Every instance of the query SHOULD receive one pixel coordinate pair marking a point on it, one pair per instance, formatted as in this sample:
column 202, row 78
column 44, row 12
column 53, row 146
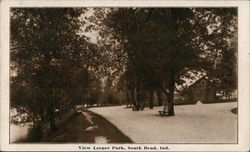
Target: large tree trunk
column 227, row 94
column 137, row 105
column 137, row 94
column 151, row 93
column 51, row 117
column 127, row 98
column 171, row 94
column 159, row 98
column 133, row 96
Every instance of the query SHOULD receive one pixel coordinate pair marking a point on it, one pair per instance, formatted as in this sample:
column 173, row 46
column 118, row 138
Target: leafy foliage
column 138, row 51
column 49, row 59
column 163, row 44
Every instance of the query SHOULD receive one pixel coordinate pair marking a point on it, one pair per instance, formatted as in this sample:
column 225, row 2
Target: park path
column 200, row 123
column 88, row 127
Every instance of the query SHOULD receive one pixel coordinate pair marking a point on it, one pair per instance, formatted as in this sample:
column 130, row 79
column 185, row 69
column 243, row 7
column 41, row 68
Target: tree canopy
column 139, row 51
column 49, row 60
column 162, row 44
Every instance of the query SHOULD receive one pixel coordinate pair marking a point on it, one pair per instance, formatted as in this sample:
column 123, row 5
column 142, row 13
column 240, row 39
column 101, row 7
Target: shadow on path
column 87, row 127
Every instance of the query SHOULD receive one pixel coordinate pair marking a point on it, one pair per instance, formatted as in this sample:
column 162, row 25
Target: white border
column 243, row 67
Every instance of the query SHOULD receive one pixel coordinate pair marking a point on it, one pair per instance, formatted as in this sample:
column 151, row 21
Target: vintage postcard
column 128, row 75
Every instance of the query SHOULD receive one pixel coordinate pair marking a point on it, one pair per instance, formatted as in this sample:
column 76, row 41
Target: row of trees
column 161, row 45
column 50, row 62
column 138, row 51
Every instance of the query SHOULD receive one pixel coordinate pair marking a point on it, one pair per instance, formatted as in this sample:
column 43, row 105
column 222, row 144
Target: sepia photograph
column 123, row 75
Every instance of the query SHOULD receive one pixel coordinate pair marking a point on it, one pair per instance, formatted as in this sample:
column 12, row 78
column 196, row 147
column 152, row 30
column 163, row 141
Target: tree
column 157, row 44
column 48, row 59
column 163, row 44
column 224, row 40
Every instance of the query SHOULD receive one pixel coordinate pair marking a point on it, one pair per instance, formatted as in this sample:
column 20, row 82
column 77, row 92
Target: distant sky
column 93, row 35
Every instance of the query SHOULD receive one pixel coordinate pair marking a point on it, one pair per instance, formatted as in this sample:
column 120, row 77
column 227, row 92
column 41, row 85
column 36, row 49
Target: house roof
column 204, row 77
column 194, row 77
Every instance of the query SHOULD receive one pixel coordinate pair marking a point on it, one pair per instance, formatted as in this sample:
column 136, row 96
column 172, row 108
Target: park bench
column 163, row 113
column 77, row 111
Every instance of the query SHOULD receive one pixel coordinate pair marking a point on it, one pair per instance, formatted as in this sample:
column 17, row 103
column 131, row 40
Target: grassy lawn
column 75, row 129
